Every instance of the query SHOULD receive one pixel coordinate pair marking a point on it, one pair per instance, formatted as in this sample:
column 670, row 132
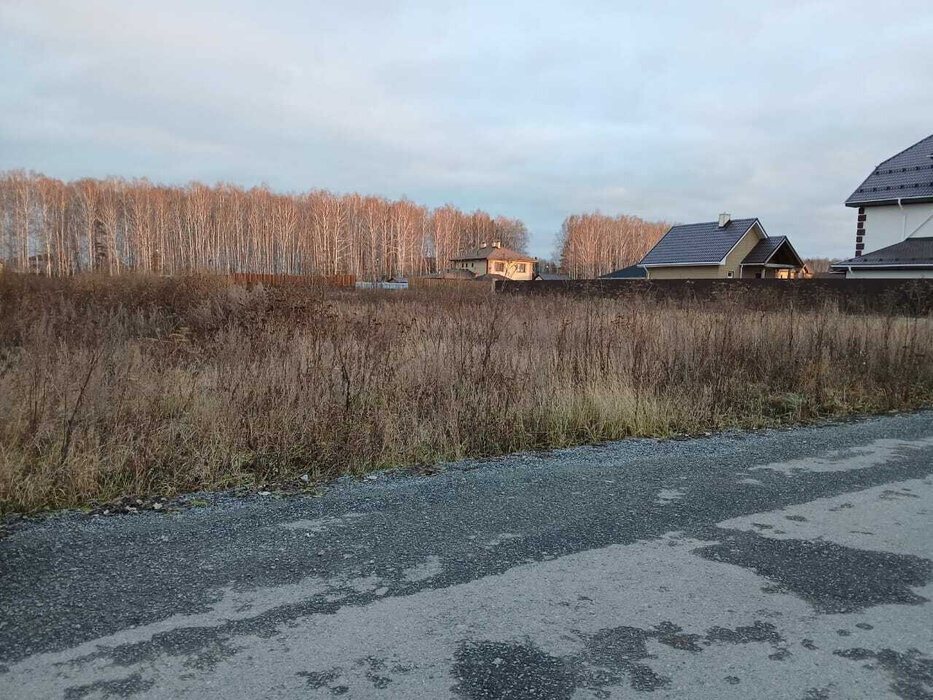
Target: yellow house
column 495, row 260
column 728, row 248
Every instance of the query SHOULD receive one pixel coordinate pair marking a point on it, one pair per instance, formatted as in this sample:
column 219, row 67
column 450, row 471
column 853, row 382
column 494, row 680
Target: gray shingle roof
column 910, row 252
column 630, row 272
column 908, row 175
column 766, row 249
column 551, row 276
column 697, row 244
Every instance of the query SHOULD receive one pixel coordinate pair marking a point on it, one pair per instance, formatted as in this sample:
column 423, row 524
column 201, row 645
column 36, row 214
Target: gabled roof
column 911, row 252
column 491, row 252
column 551, row 277
column 630, row 272
column 762, row 253
column 907, row 176
column 698, row 244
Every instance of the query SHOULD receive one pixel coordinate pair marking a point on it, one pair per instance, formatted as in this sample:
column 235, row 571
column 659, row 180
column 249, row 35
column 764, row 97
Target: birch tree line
column 114, row 225
column 590, row 245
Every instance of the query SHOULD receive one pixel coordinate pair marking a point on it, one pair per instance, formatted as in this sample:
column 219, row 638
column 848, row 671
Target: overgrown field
column 136, row 385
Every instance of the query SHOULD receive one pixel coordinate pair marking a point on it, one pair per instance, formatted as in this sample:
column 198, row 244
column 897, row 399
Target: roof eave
column 682, row 264
column 920, row 199
column 871, row 266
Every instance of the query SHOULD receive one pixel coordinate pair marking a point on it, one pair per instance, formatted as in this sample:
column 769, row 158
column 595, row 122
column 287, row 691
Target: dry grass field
column 141, row 385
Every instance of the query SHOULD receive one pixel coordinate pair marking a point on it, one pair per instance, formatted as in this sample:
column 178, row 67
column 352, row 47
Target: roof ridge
column 902, row 152
column 708, row 223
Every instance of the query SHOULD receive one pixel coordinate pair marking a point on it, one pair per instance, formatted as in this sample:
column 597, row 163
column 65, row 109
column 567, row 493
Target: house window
column 730, row 274
column 498, row 266
column 519, row 267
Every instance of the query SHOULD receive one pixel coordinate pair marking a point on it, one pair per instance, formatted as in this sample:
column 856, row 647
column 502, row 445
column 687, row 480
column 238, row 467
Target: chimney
column 497, row 244
column 724, row 219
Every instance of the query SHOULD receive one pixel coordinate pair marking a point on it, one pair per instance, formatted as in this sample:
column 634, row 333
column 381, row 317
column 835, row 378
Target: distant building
column 728, row 248
column 495, row 260
column 632, row 272
column 895, row 218
column 895, row 202
column 549, row 277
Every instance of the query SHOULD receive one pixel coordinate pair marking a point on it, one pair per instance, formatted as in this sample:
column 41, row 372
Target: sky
column 671, row 111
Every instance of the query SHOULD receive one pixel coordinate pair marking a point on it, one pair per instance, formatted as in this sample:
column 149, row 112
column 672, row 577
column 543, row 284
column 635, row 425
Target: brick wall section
column 860, row 232
column 913, row 297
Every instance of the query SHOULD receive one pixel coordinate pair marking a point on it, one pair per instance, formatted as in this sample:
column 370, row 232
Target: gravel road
column 782, row 564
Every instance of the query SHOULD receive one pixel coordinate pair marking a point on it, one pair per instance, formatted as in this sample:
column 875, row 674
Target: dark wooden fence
column 913, row 297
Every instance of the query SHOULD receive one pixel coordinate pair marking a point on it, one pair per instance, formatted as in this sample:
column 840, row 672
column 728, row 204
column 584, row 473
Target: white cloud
column 674, row 110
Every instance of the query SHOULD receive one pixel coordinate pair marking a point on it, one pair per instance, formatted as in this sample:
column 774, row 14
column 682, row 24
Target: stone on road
column 781, row 564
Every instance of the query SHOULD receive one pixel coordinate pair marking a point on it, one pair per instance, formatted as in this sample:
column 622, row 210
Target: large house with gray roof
column 728, row 248
column 895, row 217
column 895, row 202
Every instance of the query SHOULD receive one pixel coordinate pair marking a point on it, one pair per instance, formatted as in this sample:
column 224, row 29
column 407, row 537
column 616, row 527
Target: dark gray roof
column 766, row 249
column 630, row 272
column 908, row 175
column 912, row 252
column 551, row 276
column 697, row 244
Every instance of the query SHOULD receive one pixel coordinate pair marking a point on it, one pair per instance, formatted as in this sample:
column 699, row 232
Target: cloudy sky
column 666, row 110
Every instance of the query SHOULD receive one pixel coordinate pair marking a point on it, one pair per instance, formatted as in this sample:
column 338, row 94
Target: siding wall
column 887, row 225
column 686, row 272
column 744, row 247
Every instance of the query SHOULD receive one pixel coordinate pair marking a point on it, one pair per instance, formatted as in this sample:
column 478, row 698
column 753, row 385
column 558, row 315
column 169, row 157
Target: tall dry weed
column 136, row 385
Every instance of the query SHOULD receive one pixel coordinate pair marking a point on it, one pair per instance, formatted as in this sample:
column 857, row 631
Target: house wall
column 890, row 274
column 741, row 251
column 477, row 267
column 481, row 267
column 510, row 269
column 887, row 225
column 682, row 272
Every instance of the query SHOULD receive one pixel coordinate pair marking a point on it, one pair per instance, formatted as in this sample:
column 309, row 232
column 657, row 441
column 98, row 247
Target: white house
column 495, row 260
column 895, row 214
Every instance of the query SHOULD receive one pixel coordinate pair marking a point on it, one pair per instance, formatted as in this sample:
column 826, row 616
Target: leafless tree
column 590, row 245
column 114, row 225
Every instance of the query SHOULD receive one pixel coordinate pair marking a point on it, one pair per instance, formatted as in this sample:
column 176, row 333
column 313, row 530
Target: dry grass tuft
column 138, row 385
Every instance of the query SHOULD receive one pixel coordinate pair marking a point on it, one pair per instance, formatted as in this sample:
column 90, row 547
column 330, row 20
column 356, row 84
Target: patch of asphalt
column 831, row 577
column 195, row 585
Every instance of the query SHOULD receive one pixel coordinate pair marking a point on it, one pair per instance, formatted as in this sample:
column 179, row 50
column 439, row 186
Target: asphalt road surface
column 785, row 564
